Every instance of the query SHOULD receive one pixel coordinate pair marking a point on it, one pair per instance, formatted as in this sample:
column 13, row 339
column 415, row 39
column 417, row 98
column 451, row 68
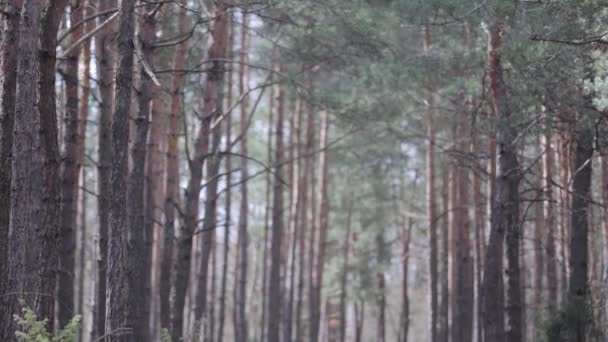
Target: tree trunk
column 462, row 319
column 274, row 287
column 322, row 225
column 404, row 322
column 70, row 172
column 30, row 275
column 104, row 56
column 579, row 292
column 480, row 229
column 172, row 181
column 294, row 211
column 267, row 213
column 539, row 255
column 228, row 200
column 431, row 207
column 120, row 276
column 241, row 320
column 8, row 85
column 359, row 320
column 505, row 216
column 155, row 163
column 443, row 319
column 344, row 271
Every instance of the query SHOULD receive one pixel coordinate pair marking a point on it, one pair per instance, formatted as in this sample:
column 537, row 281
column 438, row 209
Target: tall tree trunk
column 431, row 207
column 344, row 271
column 274, row 287
column 579, row 292
column 505, row 216
column 539, row 255
column 443, row 312
column 404, row 322
column 480, row 231
column 294, row 211
column 8, row 85
column 155, row 165
column 241, row 320
column 359, row 320
column 121, row 268
column 104, row 56
column 51, row 18
column 172, row 180
column 212, row 113
column 267, row 214
column 228, row 200
column 322, row 225
column 462, row 311
column 70, row 172
column 30, row 241
column 549, row 218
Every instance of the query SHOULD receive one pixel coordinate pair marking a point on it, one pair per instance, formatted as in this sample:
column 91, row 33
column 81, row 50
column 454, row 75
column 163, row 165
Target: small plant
column 33, row 329
column 164, row 335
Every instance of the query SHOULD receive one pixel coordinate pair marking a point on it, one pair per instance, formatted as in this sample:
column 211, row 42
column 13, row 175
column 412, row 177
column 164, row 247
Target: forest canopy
column 303, row 170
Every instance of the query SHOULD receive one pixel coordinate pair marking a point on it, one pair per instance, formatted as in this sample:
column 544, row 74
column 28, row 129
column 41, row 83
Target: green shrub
column 33, row 329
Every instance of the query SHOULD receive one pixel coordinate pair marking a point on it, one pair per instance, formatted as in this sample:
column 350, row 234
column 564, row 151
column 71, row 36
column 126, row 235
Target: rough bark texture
column 579, row 292
column 443, row 312
column 274, row 287
column 8, row 85
column 29, row 276
column 120, row 271
column 172, row 184
column 70, row 171
column 104, row 56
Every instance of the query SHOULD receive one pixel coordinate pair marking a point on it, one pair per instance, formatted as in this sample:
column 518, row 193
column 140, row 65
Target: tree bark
column 172, row 181
column 104, row 56
column 241, row 294
column 70, row 171
column 404, row 322
column 431, row 207
column 274, row 287
column 505, row 211
column 30, row 276
column 8, row 85
column 579, row 292
column 121, row 270
column 344, row 271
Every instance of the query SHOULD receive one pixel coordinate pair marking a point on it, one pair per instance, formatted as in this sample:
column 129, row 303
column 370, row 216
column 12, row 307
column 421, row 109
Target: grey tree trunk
column 120, row 271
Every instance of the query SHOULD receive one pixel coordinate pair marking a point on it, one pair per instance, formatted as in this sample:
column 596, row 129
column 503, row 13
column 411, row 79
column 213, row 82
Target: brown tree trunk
column 155, row 174
column 30, row 275
column 172, row 181
column 274, row 286
column 241, row 320
column 443, row 312
column 322, row 225
column 70, row 171
column 104, row 56
column 549, row 220
column 120, row 264
column 267, row 214
column 307, row 201
column 431, row 207
column 579, row 292
column 404, row 322
column 344, row 271
column 359, row 320
column 480, row 229
column 294, row 211
column 505, row 216
column 212, row 112
column 8, row 85
column 463, row 301
column 228, row 200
